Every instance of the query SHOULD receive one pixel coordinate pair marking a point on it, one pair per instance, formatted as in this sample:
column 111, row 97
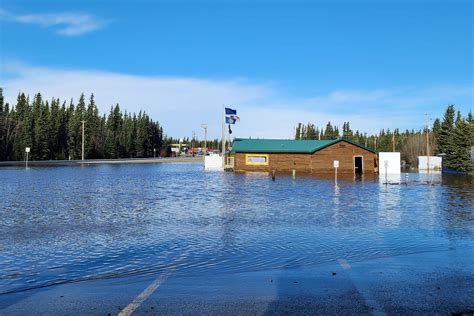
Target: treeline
column 53, row 130
column 451, row 137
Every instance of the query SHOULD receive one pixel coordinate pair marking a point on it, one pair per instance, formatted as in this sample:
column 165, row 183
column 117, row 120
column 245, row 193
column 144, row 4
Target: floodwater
column 69, row 224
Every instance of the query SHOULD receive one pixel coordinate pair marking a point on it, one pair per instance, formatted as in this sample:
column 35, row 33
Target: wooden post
column 273, row 175
column 204, row 126
column 27, row 150
column 336, row 165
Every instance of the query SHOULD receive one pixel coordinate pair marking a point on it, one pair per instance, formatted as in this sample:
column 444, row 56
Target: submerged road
column 53, row 163
column 172, row 239
column 422, row 283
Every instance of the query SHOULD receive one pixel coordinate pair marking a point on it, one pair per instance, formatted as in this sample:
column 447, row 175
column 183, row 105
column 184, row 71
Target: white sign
column 27, row 149
column 336, row 163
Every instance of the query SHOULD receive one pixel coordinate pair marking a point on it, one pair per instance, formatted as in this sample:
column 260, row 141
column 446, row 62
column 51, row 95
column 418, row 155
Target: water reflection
column 389, row 211
column 71, row 224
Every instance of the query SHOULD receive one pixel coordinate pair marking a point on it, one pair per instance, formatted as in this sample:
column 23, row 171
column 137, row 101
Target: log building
column 306, row 156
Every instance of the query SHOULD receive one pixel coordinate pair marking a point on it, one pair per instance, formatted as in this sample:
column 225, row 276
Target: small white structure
column 214, row 162
column 389, row 163
column 426, row 163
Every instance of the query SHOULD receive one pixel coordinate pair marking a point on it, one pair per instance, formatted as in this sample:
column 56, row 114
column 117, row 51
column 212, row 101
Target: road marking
column 363, row 290
column 344, row 264
column 127, row 311
column 130, row 308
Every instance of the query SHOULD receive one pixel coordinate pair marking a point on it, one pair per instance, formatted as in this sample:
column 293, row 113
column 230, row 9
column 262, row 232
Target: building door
column 358, row 165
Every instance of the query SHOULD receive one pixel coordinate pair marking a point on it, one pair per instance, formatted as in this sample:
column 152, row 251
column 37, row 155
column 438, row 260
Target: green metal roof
column 248, row 145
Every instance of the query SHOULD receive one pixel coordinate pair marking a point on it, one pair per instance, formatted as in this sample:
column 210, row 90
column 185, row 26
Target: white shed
column 389, row 162
column 214, row 162
column 430, row 163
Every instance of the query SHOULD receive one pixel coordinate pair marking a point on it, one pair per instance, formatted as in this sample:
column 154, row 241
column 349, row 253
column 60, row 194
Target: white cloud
column 181, row 104
column 66, row 23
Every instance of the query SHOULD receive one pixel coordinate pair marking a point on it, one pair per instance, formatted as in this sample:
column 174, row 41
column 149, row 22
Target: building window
column 230, row 161
column 256, row 160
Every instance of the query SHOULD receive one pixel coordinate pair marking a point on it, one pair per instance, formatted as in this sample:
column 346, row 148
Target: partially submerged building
column 307, row 156
column 390, row 163
column 430, row 163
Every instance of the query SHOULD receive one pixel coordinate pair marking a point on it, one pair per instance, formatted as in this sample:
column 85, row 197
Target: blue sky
column 374, row 63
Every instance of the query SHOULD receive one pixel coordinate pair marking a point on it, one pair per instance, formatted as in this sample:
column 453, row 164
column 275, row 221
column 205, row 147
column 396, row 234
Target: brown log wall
column 319, row 162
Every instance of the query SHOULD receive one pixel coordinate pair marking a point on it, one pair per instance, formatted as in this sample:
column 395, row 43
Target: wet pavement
column 421, row 284
column 173, row 239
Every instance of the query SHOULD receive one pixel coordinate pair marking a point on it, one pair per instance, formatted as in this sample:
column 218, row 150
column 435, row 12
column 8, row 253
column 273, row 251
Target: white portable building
column 389, row 163
column 430, row 163
column 214, row 162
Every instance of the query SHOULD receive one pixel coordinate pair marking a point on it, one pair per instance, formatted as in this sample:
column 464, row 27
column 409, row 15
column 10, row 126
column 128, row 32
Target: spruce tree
column 298, row 131
column 71, row 130
column 92, row 138
column 41, row 122
column 459, row 149
column 3, row 132
column 329, row 131
column 447, row 126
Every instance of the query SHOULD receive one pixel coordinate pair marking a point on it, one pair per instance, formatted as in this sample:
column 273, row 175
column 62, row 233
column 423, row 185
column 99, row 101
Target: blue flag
column 230, row 111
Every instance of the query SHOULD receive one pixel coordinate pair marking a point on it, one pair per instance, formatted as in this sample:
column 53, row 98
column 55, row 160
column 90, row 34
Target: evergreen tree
column 346, row 131
column 436, row 130
column 470, row 122
column 444, row 138
column 3, row 128
column 55, row 132
column 71, row 131
column 329, row 131
column 114, row 124
column 92, row 126
column 40, row 123
column 458, row 157
column 298, row 131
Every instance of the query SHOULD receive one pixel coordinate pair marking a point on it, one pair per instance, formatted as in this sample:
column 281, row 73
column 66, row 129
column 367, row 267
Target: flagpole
column 229, row 135
column 223, row 131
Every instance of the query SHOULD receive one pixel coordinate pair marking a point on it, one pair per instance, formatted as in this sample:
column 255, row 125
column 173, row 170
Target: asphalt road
column 423, row 283
column 53, row 163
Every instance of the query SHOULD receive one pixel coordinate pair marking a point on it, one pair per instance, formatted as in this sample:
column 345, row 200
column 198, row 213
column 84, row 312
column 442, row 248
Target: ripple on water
column 68, row 224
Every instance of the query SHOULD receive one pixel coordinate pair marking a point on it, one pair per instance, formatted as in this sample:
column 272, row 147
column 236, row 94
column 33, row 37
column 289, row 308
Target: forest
column 53, row 130
column 451, row 137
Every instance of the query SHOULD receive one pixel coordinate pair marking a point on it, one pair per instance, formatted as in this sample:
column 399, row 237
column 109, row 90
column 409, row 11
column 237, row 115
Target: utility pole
column 393, row 141
column 192, row 142
column 83, row 138
column 204, row 126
